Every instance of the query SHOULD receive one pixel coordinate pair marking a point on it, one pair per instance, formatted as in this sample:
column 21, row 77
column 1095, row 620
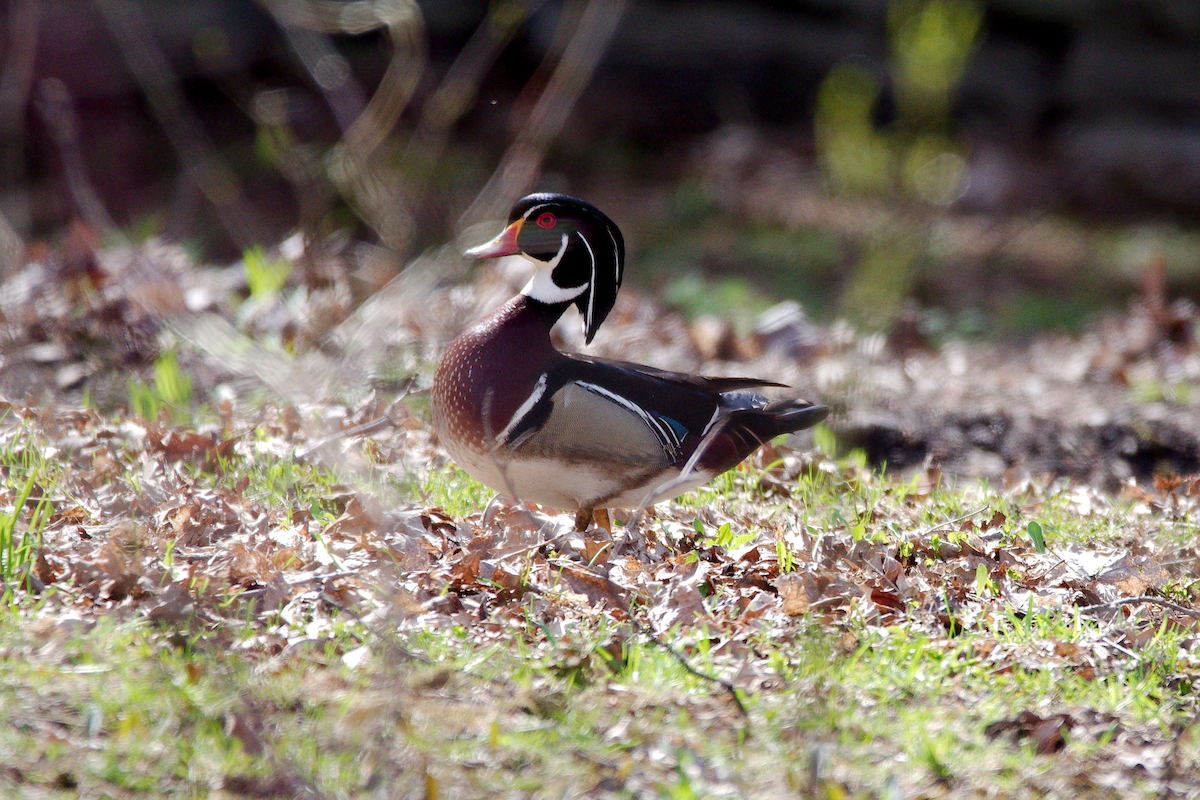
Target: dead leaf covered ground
column 271, row 583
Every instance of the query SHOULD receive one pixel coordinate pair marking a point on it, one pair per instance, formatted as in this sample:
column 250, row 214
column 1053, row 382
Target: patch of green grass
column 537, row 689
column 25, row 487
column 265, row 277
column 135, row 711
column 454, row 491
column 901, row 699
column 284, row 483
column 843, row 712
column 719, row 490
column 1146, row 390
column 170, row 391
column 875, row 505
column 890, row 708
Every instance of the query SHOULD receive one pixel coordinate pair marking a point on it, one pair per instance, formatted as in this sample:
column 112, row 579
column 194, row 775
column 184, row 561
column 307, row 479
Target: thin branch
column 597, row 22
column 365, row 429
column 461, row 82
column 502, row 554
column 16, row 82
column 196, row 154
column 1101, row 608
column 365, row 124
column 955, row 521
column 1120, row 648
column 56, row 107
column 729, row 688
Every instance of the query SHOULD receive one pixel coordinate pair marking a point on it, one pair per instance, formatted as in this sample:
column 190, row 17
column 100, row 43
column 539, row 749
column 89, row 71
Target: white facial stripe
column 553, row 262
column 616, row 259
column 558, row 256
column 591, row 305
column 539, row 389
column 535, row 208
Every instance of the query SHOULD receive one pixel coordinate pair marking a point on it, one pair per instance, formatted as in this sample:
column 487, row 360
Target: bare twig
column 1120, row 648
column 537, row 546
column 196, row 154
column 597, row 21
column 1101, row 608
column 955, row 521
column 365, row 429
column 16, row 80
column 365, row 123
column 56, row 107
column 458, row 88
column 729, row 688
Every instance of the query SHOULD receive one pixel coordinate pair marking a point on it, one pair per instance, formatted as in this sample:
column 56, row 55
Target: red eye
column 546, row 220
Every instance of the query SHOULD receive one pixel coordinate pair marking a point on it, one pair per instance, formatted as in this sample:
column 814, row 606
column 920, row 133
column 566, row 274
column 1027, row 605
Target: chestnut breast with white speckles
column 485, row 376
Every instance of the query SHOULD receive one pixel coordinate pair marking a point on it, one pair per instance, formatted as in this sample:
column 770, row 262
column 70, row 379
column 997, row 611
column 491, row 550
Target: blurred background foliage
column 1000, row 166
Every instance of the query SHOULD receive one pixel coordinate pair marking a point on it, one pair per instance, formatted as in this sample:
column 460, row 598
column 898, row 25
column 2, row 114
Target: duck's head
column 579, row 253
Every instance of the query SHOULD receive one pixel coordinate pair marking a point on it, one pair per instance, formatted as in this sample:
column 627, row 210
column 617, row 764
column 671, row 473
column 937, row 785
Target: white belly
column 570, row 487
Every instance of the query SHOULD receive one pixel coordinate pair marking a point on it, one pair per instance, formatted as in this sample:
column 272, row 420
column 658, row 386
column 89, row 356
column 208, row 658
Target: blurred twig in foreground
column 196, row 154
column 595, row 26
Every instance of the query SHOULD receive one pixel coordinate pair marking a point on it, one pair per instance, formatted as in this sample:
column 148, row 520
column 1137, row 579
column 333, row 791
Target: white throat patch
column 541, row 286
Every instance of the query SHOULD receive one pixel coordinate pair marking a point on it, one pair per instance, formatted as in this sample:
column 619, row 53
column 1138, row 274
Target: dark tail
column 744, row 429
column 786, row 416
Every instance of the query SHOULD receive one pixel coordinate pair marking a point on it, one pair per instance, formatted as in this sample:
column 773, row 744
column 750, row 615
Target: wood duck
column 575, row 432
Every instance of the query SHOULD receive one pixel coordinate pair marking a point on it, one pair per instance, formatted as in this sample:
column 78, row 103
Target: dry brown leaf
column 793, row 594
column 596, row 550
column 598, row 589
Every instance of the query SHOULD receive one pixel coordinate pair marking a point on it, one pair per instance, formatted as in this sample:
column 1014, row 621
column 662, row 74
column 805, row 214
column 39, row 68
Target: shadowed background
column 967, row 227
column 1010, row 163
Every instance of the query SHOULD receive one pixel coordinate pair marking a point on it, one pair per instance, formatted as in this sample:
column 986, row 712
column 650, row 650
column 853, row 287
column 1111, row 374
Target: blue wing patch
column 676, row 431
